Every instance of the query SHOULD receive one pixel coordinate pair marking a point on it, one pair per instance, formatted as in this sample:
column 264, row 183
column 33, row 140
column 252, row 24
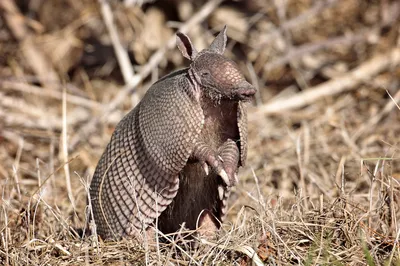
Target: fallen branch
column 121, row 54
column 296, row 52
column 35, row 90
column 347, row 82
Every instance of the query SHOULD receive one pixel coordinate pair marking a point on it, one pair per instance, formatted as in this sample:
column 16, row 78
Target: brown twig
column 347, row 82
column 120, row 52
column 65, row 149
column 35, row 90
column 28, row 111
column 378, row 117
column 296, row 22
column 296, row 52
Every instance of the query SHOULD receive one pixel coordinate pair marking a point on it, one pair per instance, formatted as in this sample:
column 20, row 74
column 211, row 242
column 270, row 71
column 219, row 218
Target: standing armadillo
column 173, row 159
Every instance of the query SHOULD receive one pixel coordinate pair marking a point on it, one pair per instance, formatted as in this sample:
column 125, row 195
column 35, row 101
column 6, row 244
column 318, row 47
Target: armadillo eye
column 205, row 74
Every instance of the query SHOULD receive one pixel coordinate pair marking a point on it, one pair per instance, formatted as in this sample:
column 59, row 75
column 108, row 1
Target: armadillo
column 173, row 159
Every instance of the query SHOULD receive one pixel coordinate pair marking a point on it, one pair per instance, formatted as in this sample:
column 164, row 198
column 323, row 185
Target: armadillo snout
column 245, row 91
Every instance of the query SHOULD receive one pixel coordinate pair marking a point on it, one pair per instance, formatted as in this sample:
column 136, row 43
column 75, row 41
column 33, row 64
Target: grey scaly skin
column 174, row 158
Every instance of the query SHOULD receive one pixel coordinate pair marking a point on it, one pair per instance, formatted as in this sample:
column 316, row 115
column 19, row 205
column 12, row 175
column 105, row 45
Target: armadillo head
column 219, row 77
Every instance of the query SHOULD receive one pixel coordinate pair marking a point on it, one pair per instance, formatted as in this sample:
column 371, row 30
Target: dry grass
column 322, row 181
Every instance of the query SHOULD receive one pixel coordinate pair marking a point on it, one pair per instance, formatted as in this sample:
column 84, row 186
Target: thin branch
column 297, row 21
column 27, row 114
column 347, row 82
column 35, row 90
column 395, row 99
column 120, row 52
column 65, row 149
column 374, row 120
column 299, row 51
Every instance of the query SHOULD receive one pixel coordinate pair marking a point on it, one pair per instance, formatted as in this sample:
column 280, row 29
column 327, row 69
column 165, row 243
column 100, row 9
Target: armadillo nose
column 246, row 90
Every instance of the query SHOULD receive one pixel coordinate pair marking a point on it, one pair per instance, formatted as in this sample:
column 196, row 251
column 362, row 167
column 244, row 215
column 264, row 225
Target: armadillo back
column 137, row 176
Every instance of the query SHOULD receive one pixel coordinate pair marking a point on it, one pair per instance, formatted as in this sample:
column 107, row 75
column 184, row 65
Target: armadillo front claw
column 205, row 168
column 221, row 192
column 224, row 177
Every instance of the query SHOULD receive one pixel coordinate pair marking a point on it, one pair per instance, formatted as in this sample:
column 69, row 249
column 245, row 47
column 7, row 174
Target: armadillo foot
column 221, row 192
column 147, row 237
column 205, row 167
column 207, row 224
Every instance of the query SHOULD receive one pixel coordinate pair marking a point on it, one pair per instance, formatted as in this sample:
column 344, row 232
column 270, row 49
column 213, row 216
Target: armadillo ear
column 185, row 46
column 219, row 43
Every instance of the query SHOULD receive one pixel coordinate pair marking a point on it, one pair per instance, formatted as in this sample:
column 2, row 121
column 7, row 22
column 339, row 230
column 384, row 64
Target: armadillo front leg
column 207, row 157
column 229, row 153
